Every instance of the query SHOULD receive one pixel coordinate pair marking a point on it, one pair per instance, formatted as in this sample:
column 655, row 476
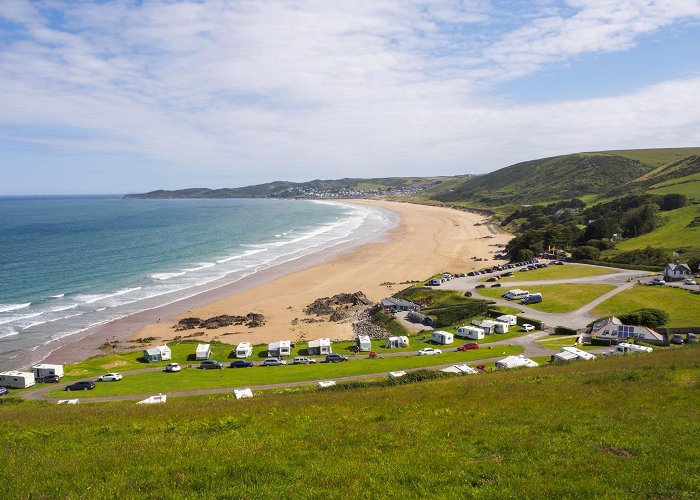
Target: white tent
column 396, row 342
column 160, row 398
column 326, row 383
column 516, row 362
column 397, row 374
column 468, row 370
column 242, row 393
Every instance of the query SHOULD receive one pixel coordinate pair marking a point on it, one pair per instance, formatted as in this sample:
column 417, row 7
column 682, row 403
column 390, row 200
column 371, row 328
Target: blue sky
column 124, row 96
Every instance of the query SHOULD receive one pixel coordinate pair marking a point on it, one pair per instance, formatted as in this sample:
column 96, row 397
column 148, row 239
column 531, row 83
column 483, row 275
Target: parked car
column 335, row 358
column 49, row 379
column 303, row 360
column 110, row 377
column 527, row 327
column 172, row 367
column 492, row 278
column 657, row 281
column 240, row 363
column 83, row 385
column 429, row 351
column 274, row 362
column 692, row 338
column 210, row 364
column 677, row 339
column 689, row 281
column 480, row 286
column 496, row 285
column 469, row 346
column 4, row 390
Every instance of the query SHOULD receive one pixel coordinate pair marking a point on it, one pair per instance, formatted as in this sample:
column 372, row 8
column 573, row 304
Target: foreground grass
column 586, row 430
column 566, row 297
column 567, row 271
column 683, row 306
column 557, row 344
column 191, row 379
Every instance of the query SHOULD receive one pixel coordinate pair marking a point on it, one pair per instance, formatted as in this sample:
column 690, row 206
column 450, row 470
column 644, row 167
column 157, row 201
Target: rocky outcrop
column 251, row 320
column 363, row 326
column 338, row 307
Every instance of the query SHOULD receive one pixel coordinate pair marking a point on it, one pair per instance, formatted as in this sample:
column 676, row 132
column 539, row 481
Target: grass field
column 193, row 378
column 689, row 187
column 683, row 306
column 557, row 343
column 615, row 428
column 567, row 271
column 673, row 234
column 565, row 297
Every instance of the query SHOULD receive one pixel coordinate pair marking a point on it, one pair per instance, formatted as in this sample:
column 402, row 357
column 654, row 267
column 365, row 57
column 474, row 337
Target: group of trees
column 585, row 232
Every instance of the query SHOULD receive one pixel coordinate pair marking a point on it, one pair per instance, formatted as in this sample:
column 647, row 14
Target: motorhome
column 244, row 349
column 516, row 294
column 532, row 298
column 470, row 332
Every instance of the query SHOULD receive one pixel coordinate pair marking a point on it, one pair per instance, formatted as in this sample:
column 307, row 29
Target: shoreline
column 281, row 292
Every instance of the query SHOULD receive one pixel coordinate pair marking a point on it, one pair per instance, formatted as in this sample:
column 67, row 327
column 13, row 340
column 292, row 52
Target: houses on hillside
column 613, row 329
column 677, row 271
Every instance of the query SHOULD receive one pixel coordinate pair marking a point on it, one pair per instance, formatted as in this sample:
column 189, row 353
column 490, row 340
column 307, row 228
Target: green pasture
column 674, row 232
column 567, row 271
column 565, row 297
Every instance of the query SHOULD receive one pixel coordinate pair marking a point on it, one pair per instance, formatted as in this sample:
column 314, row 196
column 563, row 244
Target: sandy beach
column 428, row 240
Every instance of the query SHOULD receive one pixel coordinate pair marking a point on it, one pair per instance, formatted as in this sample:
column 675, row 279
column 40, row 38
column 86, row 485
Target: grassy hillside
column 548, row 179
column 677, row 230
column 614, row 428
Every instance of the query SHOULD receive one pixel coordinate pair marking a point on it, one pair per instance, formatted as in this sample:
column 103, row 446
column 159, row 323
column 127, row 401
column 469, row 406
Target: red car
column 468, row 347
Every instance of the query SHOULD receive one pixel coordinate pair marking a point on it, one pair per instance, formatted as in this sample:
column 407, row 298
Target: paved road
column 621, row 279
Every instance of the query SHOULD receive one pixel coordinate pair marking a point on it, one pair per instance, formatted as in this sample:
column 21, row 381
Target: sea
column 71, row 263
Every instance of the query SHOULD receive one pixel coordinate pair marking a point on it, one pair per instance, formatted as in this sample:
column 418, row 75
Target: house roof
column 677, row 267
column 394, row 302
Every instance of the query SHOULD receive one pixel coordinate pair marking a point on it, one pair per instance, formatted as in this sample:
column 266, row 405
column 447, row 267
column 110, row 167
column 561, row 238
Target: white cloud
column 306, row 88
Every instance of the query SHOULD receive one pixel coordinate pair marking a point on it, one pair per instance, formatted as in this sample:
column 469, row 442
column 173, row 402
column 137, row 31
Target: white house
column 244, row 349
column 43, row 370
column 571, row 354
column 440, row 337
column 396, row 342
column 320, row 347
column 17, row 380
column 203, row 352
column 677, row 272
column 470, row 332
column 364, row 343
column 612, row 328
column 508, row 319
column 397, row 305
column 516, row 362
column 279, row 348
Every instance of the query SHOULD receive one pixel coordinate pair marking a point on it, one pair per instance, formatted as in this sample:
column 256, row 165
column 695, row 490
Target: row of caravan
column 22, row 380
column 523, row 296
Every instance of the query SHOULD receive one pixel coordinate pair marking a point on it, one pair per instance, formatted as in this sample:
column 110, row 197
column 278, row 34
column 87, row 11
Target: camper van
column 244, row 349
column 470, row 332
column 533, row 298
column 516, row 294
column 624, row 348
column 442, row 338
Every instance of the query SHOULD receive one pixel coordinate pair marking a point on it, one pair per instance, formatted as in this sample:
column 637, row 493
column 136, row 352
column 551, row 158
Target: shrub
column 451, row 315
column 389, row 323
column 521, row 320
column 653, row 318
column 564, row 330
column 524, row 254
column 586, row 252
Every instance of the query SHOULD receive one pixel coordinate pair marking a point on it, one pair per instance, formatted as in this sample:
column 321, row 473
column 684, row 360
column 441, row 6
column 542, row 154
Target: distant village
column 349, row 193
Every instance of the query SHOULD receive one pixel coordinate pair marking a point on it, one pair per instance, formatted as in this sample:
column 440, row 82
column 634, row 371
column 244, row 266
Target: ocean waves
column 259, row 245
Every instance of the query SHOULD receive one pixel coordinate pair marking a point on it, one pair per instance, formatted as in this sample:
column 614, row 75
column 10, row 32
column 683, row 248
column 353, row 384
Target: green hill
column 625, row 427
column 581, row 175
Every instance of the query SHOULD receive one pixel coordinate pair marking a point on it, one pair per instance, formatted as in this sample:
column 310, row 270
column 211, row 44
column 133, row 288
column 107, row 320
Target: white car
column 527, row 327
column 688, row 281
column 657, row 281
column 110, row 377
column 429, row 351
column 172, row 367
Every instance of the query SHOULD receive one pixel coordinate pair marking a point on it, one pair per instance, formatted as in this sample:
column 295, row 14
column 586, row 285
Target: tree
column 673, row 201
column 640, row 220
column 586, row 252
column 524, row 254
column 653, row 318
